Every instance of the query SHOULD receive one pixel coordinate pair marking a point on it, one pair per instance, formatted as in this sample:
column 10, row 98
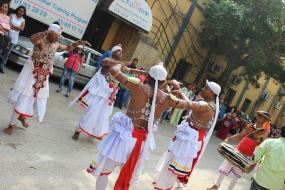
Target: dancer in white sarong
column 131, row 138
column 97, row 99
column 31, row 89
column 189, row 142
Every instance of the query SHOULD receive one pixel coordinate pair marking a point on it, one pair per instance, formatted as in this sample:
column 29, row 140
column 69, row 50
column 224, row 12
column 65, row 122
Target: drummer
column 252, row 136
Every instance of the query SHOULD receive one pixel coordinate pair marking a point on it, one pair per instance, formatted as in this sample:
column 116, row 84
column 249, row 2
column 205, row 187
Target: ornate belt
column 112, row 97
column 41, row 71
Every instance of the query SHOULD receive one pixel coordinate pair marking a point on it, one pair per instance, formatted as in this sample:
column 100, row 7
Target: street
column 46, row 157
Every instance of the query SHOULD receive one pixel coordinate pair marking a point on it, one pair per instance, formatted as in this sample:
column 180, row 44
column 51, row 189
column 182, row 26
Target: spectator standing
column 222, row 110
column 72, row 66
column 4, row 23
column 271, row 172
column 165, row 88
column 17, row 24
column 175, row 117
column 221, row 115
column 124, row 93
column 4, row 19
column 226, row 126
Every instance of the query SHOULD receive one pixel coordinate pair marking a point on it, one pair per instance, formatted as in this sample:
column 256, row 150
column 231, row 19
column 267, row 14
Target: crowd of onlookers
column 230, row 121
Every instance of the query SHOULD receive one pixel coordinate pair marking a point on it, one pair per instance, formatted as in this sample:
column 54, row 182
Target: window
column 245, row 105
column 230, row 96
column 93, row 59
column 181, row 70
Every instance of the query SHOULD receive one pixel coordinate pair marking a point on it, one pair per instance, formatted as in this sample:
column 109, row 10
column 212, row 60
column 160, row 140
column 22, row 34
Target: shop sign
column 73, row 15
column 136, row 12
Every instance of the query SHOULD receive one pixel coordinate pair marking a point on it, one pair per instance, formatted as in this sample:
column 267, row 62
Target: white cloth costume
column 27, row 100
column 116, row 147
column 177, row 161
column 95, row 119
column 22, row 94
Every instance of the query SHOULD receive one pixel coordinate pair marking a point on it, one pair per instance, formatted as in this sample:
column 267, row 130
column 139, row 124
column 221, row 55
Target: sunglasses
column 259, row 115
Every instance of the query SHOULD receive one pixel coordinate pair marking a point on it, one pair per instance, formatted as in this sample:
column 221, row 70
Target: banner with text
column 136, row 12
column 73, row 15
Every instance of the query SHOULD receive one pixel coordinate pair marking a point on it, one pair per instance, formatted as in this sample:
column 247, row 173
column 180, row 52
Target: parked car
column 245, row 118
column 23, row 50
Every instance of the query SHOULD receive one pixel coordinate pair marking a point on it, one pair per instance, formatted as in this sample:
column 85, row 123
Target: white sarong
column 22, row 94
column 95, row 119
column 177, row 161
column 116, row 147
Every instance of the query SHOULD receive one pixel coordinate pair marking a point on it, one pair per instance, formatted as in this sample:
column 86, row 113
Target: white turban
column 158, row 72
column 55, row 27
column 115, row 48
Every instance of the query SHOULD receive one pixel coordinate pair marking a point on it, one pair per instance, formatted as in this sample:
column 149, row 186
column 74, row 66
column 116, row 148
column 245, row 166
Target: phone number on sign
column 31, row 7
column 69, row 25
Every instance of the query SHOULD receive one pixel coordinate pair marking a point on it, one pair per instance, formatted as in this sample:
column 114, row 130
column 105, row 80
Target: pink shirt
column 5, row 22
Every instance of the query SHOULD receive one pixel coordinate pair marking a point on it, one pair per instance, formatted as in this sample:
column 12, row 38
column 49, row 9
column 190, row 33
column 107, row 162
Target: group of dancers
column 127, row 139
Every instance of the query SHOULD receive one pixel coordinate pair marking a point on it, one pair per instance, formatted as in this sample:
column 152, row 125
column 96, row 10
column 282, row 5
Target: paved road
column 45, row 157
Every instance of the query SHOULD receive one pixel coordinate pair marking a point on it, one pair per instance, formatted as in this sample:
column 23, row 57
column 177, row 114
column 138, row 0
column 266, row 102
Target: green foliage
column 260, row 101
column 250, row 34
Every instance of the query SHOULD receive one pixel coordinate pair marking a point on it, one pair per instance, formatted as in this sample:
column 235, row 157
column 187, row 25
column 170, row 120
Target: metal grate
column 164, row 40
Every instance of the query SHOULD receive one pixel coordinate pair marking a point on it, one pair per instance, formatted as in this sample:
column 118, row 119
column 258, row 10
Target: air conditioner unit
column 236, row 80
column 277, row 105
column 214, row 67
column 266, row 97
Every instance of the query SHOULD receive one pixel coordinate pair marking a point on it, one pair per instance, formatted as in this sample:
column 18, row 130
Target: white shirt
column 187, row 93
column 12, row 33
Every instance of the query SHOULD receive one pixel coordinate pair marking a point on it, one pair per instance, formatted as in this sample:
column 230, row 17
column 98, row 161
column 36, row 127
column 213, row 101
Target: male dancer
column 131, row 138
column 97, row 99
column 31, row 88
column 252, row 136
column 186, row 148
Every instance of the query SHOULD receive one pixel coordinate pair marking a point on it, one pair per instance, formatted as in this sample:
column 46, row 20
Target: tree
column 250, row 34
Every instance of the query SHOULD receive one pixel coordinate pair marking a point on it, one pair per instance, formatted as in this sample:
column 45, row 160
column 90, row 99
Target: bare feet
column 9, row 130
column 23, row 121
column 76, row 135
column 213, row 187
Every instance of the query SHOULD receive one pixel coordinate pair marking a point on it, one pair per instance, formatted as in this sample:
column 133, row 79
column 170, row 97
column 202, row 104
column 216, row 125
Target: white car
column 23, row 50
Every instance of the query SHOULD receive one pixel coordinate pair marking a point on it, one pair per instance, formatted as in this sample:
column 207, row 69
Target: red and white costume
column 31, row 89
column 246, row 147
column 178, row 160
column 124, row 145
column 97, row 99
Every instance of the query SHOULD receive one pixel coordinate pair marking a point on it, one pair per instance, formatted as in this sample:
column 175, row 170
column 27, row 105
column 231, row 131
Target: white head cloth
column 115, row 48
column 158, row 73
column 216, row 89
column 55, row 27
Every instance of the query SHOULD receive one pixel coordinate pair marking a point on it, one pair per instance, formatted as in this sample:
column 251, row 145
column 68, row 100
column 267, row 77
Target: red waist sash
column 124, row 180
column 247, row 146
